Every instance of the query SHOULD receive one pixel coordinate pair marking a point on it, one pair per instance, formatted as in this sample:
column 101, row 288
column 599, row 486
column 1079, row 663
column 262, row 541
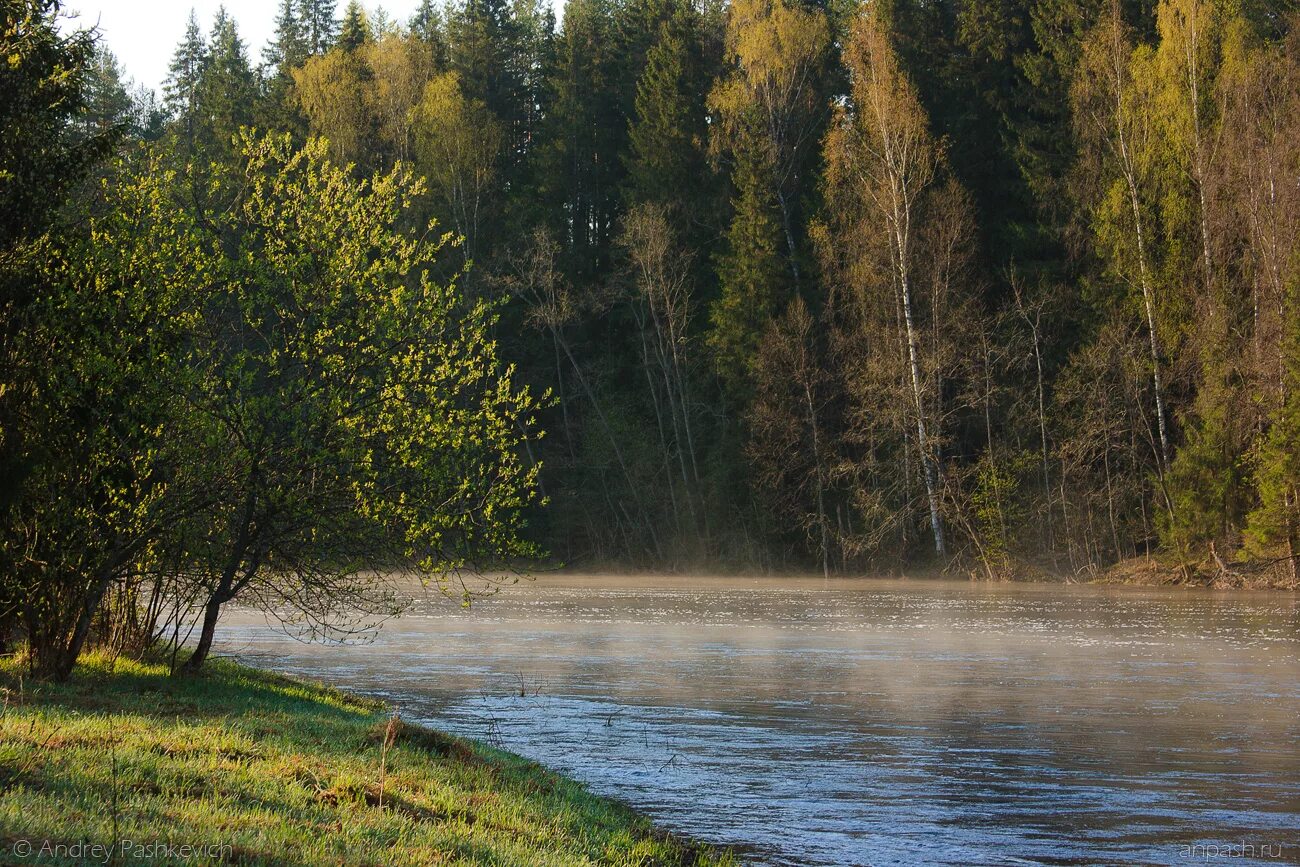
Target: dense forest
column 1009, row 287
column 1010, row 283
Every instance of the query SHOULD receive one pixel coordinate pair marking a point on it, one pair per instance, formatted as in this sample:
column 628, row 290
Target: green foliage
column 330, row 388
column 354, row 31
column 184, row 75
column 44, row 152
column 750, row 272
column 357, row 416
column 42, row 89
column 999, row 509
column 318, row 25
column 104, row 424
column 1276, row 519
column 1205, row 480
column 666, row 157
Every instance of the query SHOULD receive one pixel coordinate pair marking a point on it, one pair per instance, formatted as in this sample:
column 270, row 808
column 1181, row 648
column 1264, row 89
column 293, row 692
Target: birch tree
column 1114, row 122
column 776, row 50
column 880, row 152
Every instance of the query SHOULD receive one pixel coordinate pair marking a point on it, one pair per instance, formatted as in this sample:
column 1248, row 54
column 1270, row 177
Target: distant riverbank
column 125, row 764
column 1143, row 571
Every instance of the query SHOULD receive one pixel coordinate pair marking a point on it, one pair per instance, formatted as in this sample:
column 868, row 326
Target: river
column 870, row 721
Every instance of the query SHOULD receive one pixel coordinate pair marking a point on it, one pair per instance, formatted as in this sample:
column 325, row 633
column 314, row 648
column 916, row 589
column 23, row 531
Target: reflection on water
column 872, row 722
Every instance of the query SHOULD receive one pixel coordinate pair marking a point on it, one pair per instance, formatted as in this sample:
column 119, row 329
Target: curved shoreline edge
column 127, row 764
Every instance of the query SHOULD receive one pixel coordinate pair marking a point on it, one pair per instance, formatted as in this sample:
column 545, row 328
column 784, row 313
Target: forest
column 1001, row 287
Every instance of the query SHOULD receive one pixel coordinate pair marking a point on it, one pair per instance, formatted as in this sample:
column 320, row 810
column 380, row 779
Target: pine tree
column 108, row 105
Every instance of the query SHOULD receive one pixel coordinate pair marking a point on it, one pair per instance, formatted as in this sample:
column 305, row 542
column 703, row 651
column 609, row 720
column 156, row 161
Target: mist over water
column 806, row 721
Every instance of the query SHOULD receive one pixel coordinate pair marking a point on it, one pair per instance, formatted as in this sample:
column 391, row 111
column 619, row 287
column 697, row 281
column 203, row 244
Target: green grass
column 280, row 771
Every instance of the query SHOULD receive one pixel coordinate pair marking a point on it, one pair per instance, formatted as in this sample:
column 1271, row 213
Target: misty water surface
column 870, row 721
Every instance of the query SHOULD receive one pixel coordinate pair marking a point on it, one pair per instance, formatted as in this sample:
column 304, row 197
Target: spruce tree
column 427, row 21
column 288, row 47
column 430, row 27
column 318, row 24
column 486, row 47
column 1276, row 520
column 355, row 29
column 227, row 87
column 666, row 161
column 180, row 90
column 286, row 51
column 750, row 270
column 108, row 105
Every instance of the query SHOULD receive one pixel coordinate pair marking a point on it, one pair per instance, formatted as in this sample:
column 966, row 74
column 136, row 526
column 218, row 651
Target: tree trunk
column 211, row 612
column 68, row 654
column 1119, row 60
column 821, row 492
column 922, row 439
column 1292, row 548
column 789, row 237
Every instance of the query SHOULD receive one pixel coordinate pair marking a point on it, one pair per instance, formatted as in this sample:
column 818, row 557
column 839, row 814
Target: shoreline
column 244, row 765
column 1138, row 571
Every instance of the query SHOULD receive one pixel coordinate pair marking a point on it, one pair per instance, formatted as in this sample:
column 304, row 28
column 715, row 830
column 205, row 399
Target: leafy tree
column 105, row 360
column 789, row 445
column 43, row 90
column 400, row 68
column 459, row 142
column 771, row 96
column 1113, row 118
column 900, row 231
column 331, row 90
column 660, row 276
column 357, row 408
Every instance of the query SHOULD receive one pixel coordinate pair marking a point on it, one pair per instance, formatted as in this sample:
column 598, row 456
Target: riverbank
column 1218, row 575
column 249, row 767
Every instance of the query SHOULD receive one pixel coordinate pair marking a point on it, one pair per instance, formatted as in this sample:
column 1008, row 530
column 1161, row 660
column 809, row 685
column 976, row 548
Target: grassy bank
column 253, row 768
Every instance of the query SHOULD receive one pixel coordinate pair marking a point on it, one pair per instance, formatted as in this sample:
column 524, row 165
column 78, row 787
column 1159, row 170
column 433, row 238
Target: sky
column 144, row 33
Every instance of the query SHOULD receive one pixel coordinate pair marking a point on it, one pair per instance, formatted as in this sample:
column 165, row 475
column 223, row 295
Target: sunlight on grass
column 257, row 768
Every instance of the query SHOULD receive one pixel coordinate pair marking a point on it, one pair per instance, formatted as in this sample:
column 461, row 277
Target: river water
column 867, row 721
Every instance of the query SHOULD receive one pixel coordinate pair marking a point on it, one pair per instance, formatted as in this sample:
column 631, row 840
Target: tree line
column 1007, row 286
